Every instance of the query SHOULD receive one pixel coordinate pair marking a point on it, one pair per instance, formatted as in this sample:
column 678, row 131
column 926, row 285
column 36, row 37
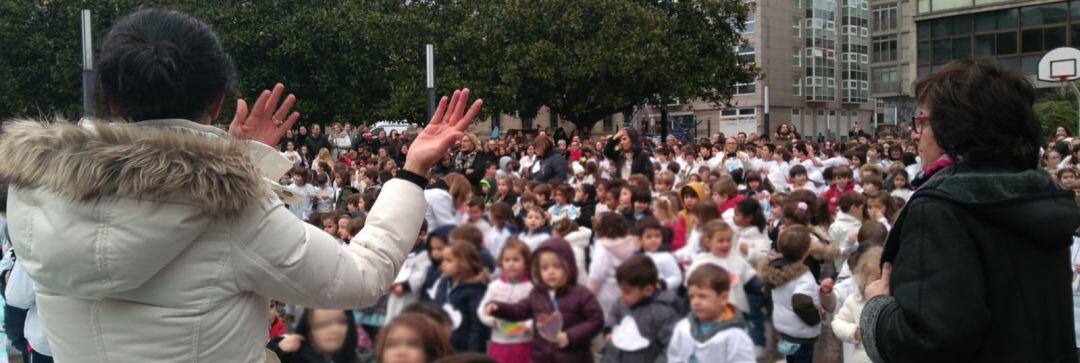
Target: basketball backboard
column 1063, row 62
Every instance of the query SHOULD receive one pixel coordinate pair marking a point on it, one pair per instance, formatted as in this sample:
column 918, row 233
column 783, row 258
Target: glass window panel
column 1031, row 40
column 1007, row 19
column 1074, row 9
column 985, row 22
column 984, row 45
column 924, row 70
column 923, row 30
column 1076, row 35
column 938, row 5
column 961, row 47
column 1054, row 13
column 942, row 51
column 942, row 27
column 1010, row 61
column 961, row 25
column 1053, row 37
column 924, row 6
column 924, row 52
column 1006, row 43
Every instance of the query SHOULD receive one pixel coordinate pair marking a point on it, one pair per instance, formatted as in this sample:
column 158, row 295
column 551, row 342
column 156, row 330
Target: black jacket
column 316, row 143
column 639, row 165
column 981, row 272
column 471, row 335
column 552, row 167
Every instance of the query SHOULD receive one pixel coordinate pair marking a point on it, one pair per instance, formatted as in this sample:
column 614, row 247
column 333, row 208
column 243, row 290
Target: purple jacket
column 582, row 316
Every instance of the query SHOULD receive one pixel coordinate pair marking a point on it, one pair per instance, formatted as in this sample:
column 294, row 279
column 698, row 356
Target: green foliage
column 1053, row 111
column 363, row 60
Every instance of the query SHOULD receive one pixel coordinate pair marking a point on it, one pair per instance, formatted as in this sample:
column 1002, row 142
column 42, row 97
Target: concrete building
column 892, row 60
column 1015, row 33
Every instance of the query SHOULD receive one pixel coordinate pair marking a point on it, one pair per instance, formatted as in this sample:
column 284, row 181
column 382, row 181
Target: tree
column 1053, row 111
column 586, row 60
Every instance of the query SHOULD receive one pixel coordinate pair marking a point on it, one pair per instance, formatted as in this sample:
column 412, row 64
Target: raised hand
column 290, row 343
column 267, row 121
column 447, row 127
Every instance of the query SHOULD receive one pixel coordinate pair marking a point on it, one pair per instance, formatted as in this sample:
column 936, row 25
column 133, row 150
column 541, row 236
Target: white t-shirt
column 326, row 199
column 303, row 208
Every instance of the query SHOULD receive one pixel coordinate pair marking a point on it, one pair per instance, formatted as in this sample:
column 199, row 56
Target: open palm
column 447, row 127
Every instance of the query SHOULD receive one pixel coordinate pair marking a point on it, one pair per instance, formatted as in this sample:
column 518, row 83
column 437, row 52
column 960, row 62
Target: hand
column 881, row 286
column 446, row 128
column 826, row 286
column 399, row 290
column 1076, row 268
column 744, row 249
column 562, row 340
column 266, row 122
column 858, row 335
column 290, row 343
column 490, row 308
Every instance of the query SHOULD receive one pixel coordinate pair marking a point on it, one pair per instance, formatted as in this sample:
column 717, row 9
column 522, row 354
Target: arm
column 581, row 334
column 519, row 311
column 477, row 338
column 914, row 324
column 804, row 308
column 281, row 257
column 676, row 349
column 484, row 317
column 609, row 149
column 845, row 322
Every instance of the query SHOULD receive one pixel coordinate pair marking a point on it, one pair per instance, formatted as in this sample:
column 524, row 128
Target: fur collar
column 778, row 271
column 148, row 160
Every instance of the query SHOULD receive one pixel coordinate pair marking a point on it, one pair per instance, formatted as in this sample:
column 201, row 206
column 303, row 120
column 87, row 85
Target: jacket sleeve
column 477, row 337
column 740, row 348
column 519, row 311
column 676, row 349
column 581, row 334
column 274, row 346
column 845, row 322
column 609, row 150
column 486, row 319
column 804, row 308
column 937, row 310
column 663, row 336
column 441, row 208
column 277, row 255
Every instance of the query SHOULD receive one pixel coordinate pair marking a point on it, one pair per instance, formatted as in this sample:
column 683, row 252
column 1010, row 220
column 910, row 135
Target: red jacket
column 836, row 193
column 277, row 328
column 731, row 202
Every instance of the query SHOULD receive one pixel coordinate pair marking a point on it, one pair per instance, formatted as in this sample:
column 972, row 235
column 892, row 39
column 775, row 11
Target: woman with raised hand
column 162, row 240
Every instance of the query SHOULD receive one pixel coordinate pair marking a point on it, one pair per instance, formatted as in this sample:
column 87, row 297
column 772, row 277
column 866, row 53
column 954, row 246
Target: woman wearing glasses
column 976, row 268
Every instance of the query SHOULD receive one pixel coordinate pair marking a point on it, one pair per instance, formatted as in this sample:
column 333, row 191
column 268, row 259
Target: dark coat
column 640, row 163
column 582, row 316
column 655, row 320
column 315, row 143
column 981, row 272
column 552, row 167
column 471, row 335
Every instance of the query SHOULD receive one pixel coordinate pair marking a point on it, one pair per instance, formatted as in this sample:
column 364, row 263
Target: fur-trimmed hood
column 778, row 271
column 146, row 161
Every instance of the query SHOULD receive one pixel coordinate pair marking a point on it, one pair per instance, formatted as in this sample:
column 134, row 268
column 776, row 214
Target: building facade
column 892, row 60
column 1015, row 33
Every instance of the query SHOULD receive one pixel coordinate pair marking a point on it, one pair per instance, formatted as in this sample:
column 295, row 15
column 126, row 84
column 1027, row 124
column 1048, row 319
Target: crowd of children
column 738, row 250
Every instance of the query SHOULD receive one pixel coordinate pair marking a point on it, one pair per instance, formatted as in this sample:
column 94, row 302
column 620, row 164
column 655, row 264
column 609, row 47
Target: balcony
column 885, row 86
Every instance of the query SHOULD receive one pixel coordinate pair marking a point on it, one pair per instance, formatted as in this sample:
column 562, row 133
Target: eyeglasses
column 920, row 122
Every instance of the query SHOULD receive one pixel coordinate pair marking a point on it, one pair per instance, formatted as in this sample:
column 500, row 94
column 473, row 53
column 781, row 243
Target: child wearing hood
column 555, row 291
column 714, row 331
column 436, row 241
column 615, row 246
column 690, row 194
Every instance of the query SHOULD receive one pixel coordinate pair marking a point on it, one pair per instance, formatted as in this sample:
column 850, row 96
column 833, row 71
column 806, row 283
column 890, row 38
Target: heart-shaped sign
column 549, row 326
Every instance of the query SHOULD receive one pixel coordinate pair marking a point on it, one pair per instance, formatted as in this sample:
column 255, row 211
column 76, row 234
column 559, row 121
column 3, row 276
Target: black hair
column 641, row 195
column 347, row 353
column 157, row 63
column 752, row 208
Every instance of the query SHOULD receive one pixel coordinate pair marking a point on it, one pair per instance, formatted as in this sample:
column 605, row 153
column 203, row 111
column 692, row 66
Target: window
column 884, row 17
column 796, row 57
column 796, row 89
column 728, row 112
column 796, row 28
column 796, row 3
column 747, row 111
column 884, row 49
column 745, row 88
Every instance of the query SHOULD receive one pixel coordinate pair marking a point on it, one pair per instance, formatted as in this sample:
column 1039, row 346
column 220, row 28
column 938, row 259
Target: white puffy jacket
column 162, row 241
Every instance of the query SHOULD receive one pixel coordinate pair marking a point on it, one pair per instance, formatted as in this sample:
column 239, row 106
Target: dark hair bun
column 157, row 63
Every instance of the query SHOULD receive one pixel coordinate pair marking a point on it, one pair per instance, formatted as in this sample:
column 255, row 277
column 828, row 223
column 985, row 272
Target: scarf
column 464, row 161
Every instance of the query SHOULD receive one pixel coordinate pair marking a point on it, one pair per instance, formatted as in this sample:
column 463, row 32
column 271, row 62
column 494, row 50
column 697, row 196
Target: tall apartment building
column 892, row 60
column 815, row 62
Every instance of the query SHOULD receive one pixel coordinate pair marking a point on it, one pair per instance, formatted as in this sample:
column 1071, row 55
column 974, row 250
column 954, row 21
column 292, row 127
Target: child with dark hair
column 320, row 334
column 502, row 228
column 563, row 206
column 799, row 180
column 653, row 239
column 472, row 235
column 840, row 184
column 615, row 245
column 640, row 199
column 415, row 336
column 644, row 317
column 899, row 185
column 585, row 201
column 536, row 227
column 714, row 332
column 848, row 220
column 796, row 296
column 475, row 216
